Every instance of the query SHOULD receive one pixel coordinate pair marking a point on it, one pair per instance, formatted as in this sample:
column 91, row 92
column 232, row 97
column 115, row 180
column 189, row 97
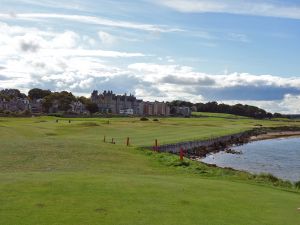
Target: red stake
column 181, row 154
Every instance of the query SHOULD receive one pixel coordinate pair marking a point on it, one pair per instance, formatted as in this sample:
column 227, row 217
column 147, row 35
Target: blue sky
column 197, row 50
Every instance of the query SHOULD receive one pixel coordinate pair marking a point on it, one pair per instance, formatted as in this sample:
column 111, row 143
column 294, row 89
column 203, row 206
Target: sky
column 230, row 51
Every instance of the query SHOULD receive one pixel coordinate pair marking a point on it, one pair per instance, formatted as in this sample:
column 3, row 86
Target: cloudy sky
column 230, row 51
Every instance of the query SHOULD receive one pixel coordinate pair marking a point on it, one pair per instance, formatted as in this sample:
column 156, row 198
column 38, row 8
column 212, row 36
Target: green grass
column 220, row 115
column 61, row 173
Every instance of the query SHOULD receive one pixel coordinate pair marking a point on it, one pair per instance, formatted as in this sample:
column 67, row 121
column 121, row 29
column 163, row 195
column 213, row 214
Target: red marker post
column 181, row 154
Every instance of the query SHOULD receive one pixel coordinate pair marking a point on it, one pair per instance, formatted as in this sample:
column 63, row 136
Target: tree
column 37, row 93
column 63, row 99
column 92, row 107
column 11, row 94
column 47, row 103
column 278, row 115
column 238, row 109
column 83, row 100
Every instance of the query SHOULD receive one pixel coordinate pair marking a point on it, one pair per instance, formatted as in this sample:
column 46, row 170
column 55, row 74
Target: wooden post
column 104, row 139
column 156, row 145
column 69, row 121
column 127, row 141
column 57, row 121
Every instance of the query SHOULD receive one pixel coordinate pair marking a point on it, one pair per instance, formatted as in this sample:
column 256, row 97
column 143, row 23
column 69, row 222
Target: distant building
column 126, row 111
column 36, row 106
column 183, row 111
column 108, row 102
column 78, row 107
column 15, row 104
column 156, row 109
column 54, row 108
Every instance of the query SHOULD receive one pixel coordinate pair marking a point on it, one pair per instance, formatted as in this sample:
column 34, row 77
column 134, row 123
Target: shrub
column 156, row 120
column 180, row 163
column 25, row 113
column 269, row 177
column 7, row 112
column 55, row 114
column 297, row 184
column 266, row 177
column 144, row 119
column 98, row 114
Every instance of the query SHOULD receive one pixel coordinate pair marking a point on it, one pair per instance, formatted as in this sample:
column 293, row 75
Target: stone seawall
column 202, row 147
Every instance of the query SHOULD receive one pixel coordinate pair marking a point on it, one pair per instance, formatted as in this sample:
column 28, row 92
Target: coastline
column 201, row 148
column 266, row 136
column 275, row 135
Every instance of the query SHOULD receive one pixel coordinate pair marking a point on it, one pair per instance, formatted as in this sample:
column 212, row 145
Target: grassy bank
column 63, row 173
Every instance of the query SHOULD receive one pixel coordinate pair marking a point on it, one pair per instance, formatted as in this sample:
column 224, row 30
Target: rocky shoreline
column 200, row 149
column 273, row 135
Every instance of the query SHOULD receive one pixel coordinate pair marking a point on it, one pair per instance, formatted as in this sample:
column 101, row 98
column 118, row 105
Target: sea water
column 280, row 157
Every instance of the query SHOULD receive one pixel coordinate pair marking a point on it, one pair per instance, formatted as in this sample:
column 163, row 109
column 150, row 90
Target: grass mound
column 41, row 121
column 50, row 134
column 89, row 124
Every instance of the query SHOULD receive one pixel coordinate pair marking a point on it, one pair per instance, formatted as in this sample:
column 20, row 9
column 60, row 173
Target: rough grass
column 74, row 178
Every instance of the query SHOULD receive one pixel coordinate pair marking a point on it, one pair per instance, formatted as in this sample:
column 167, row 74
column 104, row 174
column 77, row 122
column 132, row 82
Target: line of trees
column 237, row 109
column 9, row 94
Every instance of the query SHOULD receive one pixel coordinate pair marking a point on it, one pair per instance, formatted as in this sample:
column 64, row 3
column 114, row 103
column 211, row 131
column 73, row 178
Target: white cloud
column 246, row 7
column 30, row 57
column 180, row 82
column 110, row 39
column 67, row 39
column 238, row 37
column 91, row 20
column 288, row 105
column 62, row 4
column 16, row 41
column 181, row 74
column 107, row 38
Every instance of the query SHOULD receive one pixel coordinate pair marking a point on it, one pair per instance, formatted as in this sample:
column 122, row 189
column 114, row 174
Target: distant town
column 107, row 103
column 39, row 101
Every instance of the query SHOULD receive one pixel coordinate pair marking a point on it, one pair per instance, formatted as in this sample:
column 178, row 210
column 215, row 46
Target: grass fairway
column 61, row 173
